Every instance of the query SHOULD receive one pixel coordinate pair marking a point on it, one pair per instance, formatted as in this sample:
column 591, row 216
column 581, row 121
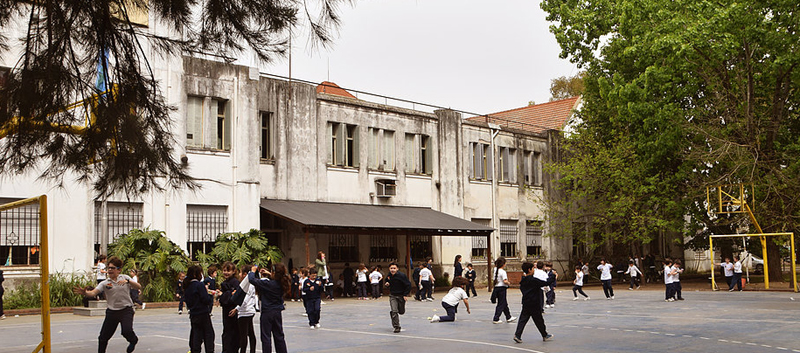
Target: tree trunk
column 774, row 262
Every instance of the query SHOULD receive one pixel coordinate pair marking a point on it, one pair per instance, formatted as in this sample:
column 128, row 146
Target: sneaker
column 397, row 330
column 680, row 298
column 630, row 288
column 547, row 306
column 549, row 337
column 574, row 299
column 587, row 298
column 608, row 298
column 429, row 299
column 3, row 317
column 435, row 318
column 730, row 290
column 497, row 322
column 517, row 339
column 511, row 319
column 312, row 327
column 321, row 302
column 612, row 297
column 144, row 305
column 317, row 325
column 131, row 347
column 637, row 287
column 180, row 312
column 304, row 314
column 553, row 305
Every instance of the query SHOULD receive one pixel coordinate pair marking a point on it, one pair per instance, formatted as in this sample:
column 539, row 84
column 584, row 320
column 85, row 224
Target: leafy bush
column 158, row 258
column 249, row 248
column 29, row 295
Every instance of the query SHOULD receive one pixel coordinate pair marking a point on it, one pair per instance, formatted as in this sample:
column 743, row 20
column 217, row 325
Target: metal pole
column 711, row 253
column 489, row 261
column 104, row 227
column 794, row 266
column 44, row 263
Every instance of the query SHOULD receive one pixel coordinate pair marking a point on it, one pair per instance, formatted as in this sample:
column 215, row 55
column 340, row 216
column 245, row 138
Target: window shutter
column 526, row 168
column 471, row 158
column 506, row 164
column 477, row 151
column 388, row 150
column 512, row 162
column 356, row 145
column 331, row 147
column 194, row 121
column 227, row 132
column 428, row 155
column 489, row 163
column 341, row 142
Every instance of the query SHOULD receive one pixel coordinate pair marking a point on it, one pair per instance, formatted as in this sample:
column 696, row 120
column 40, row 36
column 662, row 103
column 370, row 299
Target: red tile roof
column 536, row 118
column 332, row 88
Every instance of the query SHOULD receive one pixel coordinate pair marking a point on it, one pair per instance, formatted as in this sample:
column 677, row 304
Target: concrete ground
column 636, row 321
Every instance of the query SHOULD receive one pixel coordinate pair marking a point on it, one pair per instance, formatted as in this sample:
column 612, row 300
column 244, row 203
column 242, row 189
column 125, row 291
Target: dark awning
column 326, row 217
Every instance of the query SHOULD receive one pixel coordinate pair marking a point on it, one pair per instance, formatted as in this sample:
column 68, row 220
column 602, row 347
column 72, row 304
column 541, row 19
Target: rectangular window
column 19, row 234
column 479, row 243
column 351, row 146
column 122, row 217
column 220, row 107
column 344, row 144
column 526, row 168
column 382, row 248
column 388, row 150
column 419, row 154
column 381, row 149
column 425, row 155
column 343, row 248
column 508, row 167
column 411, row 154
column 194, row 122
column 373, row 148
column 533, row 238
column 487, row 164
column 267, row 138
column 203, row 225
column 536, row 168
column 207, row 117
column 420, row 247
column 508, row 238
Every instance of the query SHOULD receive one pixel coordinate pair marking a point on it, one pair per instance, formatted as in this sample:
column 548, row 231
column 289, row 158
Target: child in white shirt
column 634, row 272
column 375, row 280
column 577, row 283
column 605, row 277
column 426, row 284
column 451, row 300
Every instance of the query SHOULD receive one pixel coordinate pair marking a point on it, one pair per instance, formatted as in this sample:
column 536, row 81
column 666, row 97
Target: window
column 532, row 168
column 418, row 154
column 388, row 150
column 343, row 248
column 533, row 238
column 19, row 234
column 425, row 153
column 508, row 238
column 381, row 149
column 122, row 217
column 203, row 225
column 479, row 242
column 343, row 150
column 206, row 117
column 411, row 154
column 480, row 161
column 382, row 248
column 267, row 139
column 420, row 247
column 508, row 166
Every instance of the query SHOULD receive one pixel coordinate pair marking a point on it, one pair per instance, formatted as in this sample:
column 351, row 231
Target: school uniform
column 245, row 312
column 230, row 324
column 362, row 283
column 211, row 284
column 551, row 294
column 605, row 278
column 633, row 271
column 270, row 293
column 676, row 282
column 425, row 275
column 737, row 276
column 375, row 280
column 470, row 276
column 198, row 302
column 578, row 285
column 668, row 279
column 312, row 290
column 531, row 288
column 415, row 278
column 450, row 303
column 458, row 271
column 399, row 288
column 179, row 291
column 728, row 271
column 500, row 293
column 295, row 287
column 118, row 313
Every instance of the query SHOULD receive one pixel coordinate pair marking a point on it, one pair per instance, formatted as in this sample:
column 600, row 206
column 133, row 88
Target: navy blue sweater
column 531, row 289
column 308, row 285
column 269, row 291
column 399, row 284
column 197, row 298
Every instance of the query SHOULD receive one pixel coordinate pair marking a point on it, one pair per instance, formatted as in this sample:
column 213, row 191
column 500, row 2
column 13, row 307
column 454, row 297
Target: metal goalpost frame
column 763, row 238
column 44, row 265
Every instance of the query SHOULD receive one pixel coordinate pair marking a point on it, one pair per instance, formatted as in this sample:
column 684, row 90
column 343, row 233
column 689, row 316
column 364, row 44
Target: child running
column 551, row 293
column 499, row 293
column 451, row 300
column 632, row 271
column 531, row 288
column 605, row 277
column 577, row 283
column 271, row 291
column 312, row 289
column 375, row 280
column 399, row 289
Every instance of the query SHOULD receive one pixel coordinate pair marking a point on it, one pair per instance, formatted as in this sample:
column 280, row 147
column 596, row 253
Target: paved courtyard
column 637, row 321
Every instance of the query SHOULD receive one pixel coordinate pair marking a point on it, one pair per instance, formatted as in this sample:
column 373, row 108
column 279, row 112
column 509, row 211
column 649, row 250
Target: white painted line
column 614, row 329
column 628, row 330
column 687, row 336
column 722, row 340
column 781, row 348
column 669, row 334
column 766, row 346
column 751, row 344
column 640, row 331
column 655, row 333
column 737, row 342
column 704, row 338
column 601, row 328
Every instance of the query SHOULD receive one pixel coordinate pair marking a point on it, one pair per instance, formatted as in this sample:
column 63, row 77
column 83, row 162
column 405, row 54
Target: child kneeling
column 452, row 299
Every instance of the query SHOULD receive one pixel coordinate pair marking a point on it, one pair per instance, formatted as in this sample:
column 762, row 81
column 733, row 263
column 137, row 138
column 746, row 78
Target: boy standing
column 471, row 275
column 552, row 276
column 415, row 277
column 531, row 288
column 399, row 289
column 426, row 282
column 312, row 288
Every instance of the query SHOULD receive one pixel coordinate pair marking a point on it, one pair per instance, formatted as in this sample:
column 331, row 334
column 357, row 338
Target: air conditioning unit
column 385, row 188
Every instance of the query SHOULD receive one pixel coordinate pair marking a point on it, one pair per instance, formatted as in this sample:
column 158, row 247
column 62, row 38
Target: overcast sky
column 475, row 56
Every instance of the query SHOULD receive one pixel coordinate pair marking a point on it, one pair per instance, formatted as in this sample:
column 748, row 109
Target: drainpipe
column 495, row 130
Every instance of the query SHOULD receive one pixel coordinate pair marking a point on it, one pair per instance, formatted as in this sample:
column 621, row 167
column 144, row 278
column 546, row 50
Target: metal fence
column 203, row 225
column 19, row 234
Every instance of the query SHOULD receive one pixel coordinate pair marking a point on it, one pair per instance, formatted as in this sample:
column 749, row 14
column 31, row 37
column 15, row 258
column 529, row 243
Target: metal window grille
column 203, row 225
column 19, row 234
column 479, row 243
column 122, row 217
column 508, row 238
column 533, row 238
column 343, row 247
column 382, row 248
column 420, row 247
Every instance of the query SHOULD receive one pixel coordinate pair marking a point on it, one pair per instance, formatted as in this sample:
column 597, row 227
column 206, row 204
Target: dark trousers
column 676, row 287
column 426, row 290
column 527, row 313
column 578, row 289
column 471, row 286
column 272, row 328
column 397, row 307
column 180, row 302
column 729, row 280
column 201, row 333
column 135, row 296
column 313, row 309
column 634, row 281
column 451, row 312
column 376, row 290
column 502, row 303
column 362, row 289
column 328, row 289
column 1, row 302
column 736, row 281
column 348, row 288
column 230, row 332
column 114, row 318
column 551, row 296
column 670, row 291
column 295, row 291
column 607, row 289
column 246, row 332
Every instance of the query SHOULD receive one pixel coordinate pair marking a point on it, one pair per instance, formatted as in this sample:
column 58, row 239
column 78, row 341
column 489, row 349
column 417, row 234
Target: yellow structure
column 44, row 263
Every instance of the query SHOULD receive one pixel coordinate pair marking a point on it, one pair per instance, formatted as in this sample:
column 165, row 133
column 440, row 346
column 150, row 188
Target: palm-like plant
column 158, row 258
column 241, row 249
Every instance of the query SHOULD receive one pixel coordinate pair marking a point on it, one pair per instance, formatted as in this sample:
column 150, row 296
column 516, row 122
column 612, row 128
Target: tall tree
column 703, row 92
column 566, row 87
column 83, row 98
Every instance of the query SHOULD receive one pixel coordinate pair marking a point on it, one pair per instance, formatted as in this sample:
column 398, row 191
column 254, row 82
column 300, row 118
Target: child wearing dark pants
column 312, row 288
column 578, row 284
column 531, row 288
column 399, row 289
column 451, row 300
column 271, row 291
column 470, row 276
column 551, row 294
column 230, row 323
column 198, row 301
column 499, row 292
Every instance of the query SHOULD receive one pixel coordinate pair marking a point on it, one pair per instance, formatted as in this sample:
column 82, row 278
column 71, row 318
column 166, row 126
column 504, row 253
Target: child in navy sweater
column 199, row 301
column 312, row 288
column 551, row 276
column 531, row 288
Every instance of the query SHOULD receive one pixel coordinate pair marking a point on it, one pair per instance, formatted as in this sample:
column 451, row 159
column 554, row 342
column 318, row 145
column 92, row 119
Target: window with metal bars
column 420, row 247
column 19, row 234
column 382, row 248
column 122, row 217
column 203, row 225
column 508, row 238
column 533, row 238
column 343, row 248
column 479, row 243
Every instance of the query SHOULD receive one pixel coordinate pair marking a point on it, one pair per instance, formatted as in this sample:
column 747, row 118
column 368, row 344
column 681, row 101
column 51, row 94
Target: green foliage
column 158, row 258
column 566, row 87
column 28, row 294
column 249, row 248
column 442, row 281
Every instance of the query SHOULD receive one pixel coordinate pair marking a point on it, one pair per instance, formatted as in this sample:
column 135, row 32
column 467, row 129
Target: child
column 295, row 285
column 426, row 281
column 375, row 280
column 2, row 291
column 244, row 314
column 727, row 267
column 632, row 271
column 539, row 273
column 470, row 275
column 670, row 294
column 499, row 293
column 134, row 292
column 211, row 284
column 271, row 291
column 101, row 274
column 737, row 275
column 551, row 294
column 676, row 279
column 362, row 281
column 179, row 291
column 577, row 283
column 199, row 301
column 531, row 288
column 399, row 289
column 605, row 277
column 230, row 325
column 312, row 288
column 303, row 278
column 415, row 278
column 451, row 300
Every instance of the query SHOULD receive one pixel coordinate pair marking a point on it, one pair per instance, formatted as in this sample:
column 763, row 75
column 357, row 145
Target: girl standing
column 375, row 280
column 500, row 291
column 458, row 269
column 451, row 300
column 271, row 289
column 361, row 273
column 244, row 315
column 230, row 324
column 198, row 301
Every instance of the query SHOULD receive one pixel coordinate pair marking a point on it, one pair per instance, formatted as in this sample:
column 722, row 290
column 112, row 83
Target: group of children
column 672, row 280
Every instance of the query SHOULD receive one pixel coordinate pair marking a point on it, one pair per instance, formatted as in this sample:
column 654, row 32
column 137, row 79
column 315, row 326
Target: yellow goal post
column 763, row 238
column 44, row 264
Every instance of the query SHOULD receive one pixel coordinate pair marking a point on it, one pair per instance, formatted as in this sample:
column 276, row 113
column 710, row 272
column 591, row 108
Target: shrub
column 29, row 295
column 249, row 248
